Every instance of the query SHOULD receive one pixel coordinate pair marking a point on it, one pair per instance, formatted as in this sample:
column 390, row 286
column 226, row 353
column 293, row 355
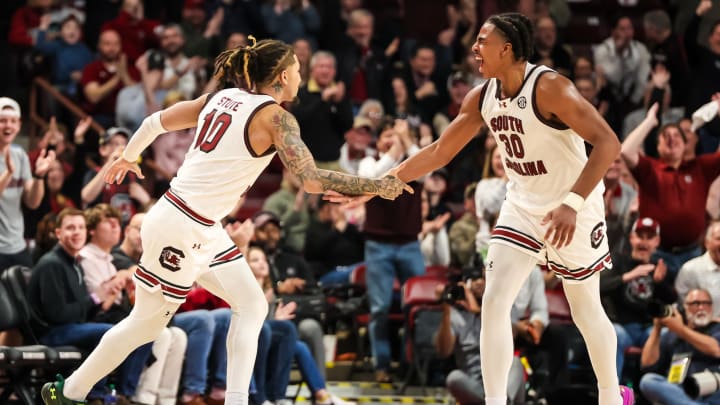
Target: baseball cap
column 114, row 131
column 646, row 224
column 194, row 4
column 261, row 218
column 441, row 172
column 362, row 122
column 458, row 77
column 9, row 107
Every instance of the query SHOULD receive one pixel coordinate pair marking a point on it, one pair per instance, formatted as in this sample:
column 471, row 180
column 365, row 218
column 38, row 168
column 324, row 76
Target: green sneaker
column 52, row 393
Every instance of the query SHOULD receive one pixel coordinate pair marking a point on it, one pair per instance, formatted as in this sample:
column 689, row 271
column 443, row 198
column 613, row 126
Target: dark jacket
column 396, row 221
column 57, row 292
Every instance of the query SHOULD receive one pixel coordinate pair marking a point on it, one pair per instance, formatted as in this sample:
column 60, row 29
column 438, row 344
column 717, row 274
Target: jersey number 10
column 212, row 130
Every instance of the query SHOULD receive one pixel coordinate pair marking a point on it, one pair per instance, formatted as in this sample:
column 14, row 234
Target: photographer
column 698, row 340
column 459, row 334
column 635, row 288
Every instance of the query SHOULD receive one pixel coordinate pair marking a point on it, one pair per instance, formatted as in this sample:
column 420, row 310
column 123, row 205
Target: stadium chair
column 423, row 313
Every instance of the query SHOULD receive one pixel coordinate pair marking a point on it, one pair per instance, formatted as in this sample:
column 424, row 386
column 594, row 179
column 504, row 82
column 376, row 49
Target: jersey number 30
column 212, row 130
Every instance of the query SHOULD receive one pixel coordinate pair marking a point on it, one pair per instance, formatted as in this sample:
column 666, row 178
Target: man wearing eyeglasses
column 703, row 271
column 688, row 347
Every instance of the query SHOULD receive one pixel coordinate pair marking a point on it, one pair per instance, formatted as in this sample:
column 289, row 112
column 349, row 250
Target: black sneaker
column 52, row 393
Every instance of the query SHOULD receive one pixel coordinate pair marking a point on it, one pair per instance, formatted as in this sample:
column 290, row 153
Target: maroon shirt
column 137, row 36
column 96, row 72
column 676, row 197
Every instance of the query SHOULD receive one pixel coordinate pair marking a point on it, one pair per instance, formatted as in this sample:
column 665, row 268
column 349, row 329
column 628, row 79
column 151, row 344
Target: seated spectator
column 426, row 81
column 53, row 201
column 291, row 275
column 459, row 334
column 291, row 207
column 588, row 88
column 701, row 272
column 160, row 380
column 128, row 197
column 672, row 191
column 697, row 340
column 543, row 343
column 489, row 196
column 279, row 335
column 168, row 151
column 303, row 50
column 458, row 85
column 19, row 185
column 59, row 296
column 333, row 245
column 373, row 110
column 620, row 206
column 68, row 53
column 634, row 284
column 357, row 145
column 102, row 79
column 206, row 328
column 462, row 232
column 434, row 242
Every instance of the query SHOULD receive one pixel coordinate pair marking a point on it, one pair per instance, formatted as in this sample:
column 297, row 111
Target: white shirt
column 700, row 272
column 97, row 268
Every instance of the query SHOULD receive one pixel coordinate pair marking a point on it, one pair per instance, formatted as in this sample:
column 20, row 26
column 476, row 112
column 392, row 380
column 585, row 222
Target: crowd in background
column 379, row 83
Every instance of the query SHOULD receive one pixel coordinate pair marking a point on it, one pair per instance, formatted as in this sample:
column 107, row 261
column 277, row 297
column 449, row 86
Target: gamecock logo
column 170, row 258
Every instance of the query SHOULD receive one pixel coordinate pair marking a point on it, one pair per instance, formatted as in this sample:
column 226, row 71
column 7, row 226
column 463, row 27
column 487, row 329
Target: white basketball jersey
column 220, row 165
column 542, row 159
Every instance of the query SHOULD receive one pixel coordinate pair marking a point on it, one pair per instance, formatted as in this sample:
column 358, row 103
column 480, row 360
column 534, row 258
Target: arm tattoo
column 297, row 158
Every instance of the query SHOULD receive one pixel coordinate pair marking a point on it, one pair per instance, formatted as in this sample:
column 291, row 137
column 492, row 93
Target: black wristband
column 35, row 176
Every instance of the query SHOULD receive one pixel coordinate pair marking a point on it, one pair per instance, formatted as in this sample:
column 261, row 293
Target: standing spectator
column 138, row 33
column 548, row 50
column 667, row 49
column 103, row 79
column 303, row 50
column 162, row 70
column 25, row 23
column 325, row 113
column 697, row 339
column 129, row 196
column 392, row 249
column 59, row 296
column 704, row 62
column 426, row 81
column 458, row 85
column 362, row 67
column 68, row 54
column 628, row 288
column 625, row 64
column 239, row 16
column 434, row 242
column 672, row 191
column 289, row 20
column 702, row 272
column 18, row 185
column 373, row 110
column 202, row 36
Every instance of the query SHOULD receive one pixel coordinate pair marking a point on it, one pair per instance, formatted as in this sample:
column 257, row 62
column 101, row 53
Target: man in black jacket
column 58, row 294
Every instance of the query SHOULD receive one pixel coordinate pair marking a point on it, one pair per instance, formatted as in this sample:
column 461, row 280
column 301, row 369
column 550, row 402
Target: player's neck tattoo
column 277, row 86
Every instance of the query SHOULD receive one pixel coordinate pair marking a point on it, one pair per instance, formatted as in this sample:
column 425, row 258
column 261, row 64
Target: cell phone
column 51, row 146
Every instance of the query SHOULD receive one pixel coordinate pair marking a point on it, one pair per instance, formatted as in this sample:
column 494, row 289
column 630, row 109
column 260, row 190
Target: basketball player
column 553, row 211
column 239, row 131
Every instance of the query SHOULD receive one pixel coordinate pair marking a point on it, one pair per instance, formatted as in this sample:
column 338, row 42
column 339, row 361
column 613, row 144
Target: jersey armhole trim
column 552, row 124
column 482, row 96
column 207, row 99
column 246, row 135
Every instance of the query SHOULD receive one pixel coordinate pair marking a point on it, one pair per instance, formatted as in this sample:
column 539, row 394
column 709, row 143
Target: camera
column 702, row 384
column 454, row 292
column 155, row 60
column 661, row 303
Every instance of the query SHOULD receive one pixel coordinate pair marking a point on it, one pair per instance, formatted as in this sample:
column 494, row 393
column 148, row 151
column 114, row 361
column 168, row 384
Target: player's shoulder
column 550, row 81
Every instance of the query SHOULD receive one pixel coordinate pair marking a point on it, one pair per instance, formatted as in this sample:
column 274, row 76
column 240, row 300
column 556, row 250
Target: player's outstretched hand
column 119, row 168
column 391, row 187
column 562, row 226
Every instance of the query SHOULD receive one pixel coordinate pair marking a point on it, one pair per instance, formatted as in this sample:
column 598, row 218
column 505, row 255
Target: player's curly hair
column 253, row 66
column 518, row 30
